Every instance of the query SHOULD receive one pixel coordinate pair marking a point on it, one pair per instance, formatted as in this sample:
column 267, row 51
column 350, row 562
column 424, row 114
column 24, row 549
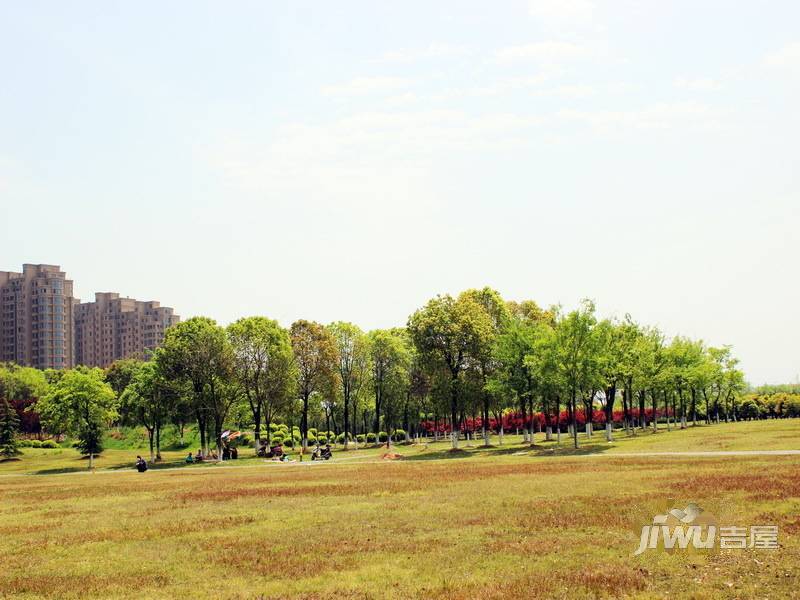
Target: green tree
column 315, row 360
column 148, row 400
column 485, row 363
column 80, row 404
column 389, row 360
column 22, row 387
column 9, row 423
column 198, row 352
column 577, row 351
column 448, row 332
column 353, row 369
column 263, row 365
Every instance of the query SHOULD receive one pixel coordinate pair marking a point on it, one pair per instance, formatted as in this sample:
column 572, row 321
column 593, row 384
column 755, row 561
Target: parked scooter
column 323, row 453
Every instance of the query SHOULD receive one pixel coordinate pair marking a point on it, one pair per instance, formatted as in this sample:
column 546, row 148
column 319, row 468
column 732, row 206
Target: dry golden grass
column 498, row 526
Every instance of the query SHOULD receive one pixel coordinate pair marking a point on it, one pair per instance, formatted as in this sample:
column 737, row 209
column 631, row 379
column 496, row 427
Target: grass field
column 510, row 521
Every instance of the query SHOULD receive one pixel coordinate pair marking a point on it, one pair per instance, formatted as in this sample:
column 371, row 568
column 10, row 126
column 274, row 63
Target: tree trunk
column 454, row 429
column 574, row 419
column 151, row 440
column 642, row 408
column 304, row 425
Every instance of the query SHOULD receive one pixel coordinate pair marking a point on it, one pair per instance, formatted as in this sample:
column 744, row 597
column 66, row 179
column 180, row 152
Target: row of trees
column 493, row 353
column 462, row 362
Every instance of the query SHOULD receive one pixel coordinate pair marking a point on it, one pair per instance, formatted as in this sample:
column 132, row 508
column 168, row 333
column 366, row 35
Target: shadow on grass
column 61, row 471
column 439, row 455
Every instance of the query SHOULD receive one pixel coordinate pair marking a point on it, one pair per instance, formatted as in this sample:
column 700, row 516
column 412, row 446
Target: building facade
column 36, row 317
column 112, row 328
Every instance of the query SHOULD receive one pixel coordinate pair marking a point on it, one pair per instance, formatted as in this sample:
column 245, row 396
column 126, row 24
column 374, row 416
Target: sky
column 350, row 160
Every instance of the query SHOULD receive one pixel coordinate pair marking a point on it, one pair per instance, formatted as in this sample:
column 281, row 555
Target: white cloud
column 361, row 86
column 435, row 50
column 697, row 84
column 787, row 57
column 556, row 13
column 566, row 91
column 367, row 150
column 548, row 52
column 661, row 116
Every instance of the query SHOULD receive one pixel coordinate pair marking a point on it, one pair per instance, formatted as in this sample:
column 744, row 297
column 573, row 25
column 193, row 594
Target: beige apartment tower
column 111, row 328
column 36, row 312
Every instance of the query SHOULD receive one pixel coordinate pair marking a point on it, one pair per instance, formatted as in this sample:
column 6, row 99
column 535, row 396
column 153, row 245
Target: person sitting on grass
column 141, row 464
column 190, row 458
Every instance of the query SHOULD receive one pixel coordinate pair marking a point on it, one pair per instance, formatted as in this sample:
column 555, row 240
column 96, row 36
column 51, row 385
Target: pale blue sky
column 349, row 160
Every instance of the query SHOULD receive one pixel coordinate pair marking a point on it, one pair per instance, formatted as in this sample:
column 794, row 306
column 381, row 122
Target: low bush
column 399, row 435
column 49, row 444
column 383, row 436
column 370, row 438
column 360, row 438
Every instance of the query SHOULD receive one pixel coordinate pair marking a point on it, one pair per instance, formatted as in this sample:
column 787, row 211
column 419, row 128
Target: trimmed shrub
column 49, row 444
column 370, row 438
column 312, row 439
column 383, row 436
column 322, row 438
column 360, row 438
column 399, row 435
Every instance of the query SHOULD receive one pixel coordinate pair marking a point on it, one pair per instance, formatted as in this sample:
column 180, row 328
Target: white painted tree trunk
column 500, row 436
column 454, row 440
column 485, row 437
column 588, row 429
column 91, row 461
column 609, row 432
column 548, row 435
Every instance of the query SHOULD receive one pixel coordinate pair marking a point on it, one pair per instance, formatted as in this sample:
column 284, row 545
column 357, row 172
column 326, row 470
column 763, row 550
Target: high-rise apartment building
column 112, row 328
column 36, row 311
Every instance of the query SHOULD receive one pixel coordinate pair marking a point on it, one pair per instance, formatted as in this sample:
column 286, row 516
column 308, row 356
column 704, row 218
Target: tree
column 263, row 365
column 447, row 332
column 9, row 422
column 353, row 368
column 315, row 359
column 198, row 352
column 684, row 355
column 120, row 373
column 577, row 345
column 484, row 362
column 80, row 404
column 22, row 387
column 148, row 400
column 389, row 359
column 515, row 375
